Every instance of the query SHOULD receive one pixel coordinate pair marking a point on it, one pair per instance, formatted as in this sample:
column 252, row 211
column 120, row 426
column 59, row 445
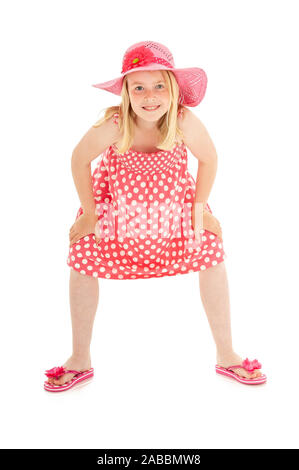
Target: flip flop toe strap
column 57, row 372
column 248, row 365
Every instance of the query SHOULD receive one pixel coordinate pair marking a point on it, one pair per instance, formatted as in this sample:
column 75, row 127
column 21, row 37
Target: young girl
column 134, row 221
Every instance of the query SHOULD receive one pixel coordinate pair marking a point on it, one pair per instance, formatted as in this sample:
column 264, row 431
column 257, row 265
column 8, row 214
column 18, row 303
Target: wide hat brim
column 191, row 81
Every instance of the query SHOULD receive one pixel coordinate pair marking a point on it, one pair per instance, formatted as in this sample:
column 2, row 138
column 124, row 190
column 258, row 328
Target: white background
column 152, row 349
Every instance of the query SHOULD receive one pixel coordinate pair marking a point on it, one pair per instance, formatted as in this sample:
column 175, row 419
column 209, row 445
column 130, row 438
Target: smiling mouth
column 150, row 108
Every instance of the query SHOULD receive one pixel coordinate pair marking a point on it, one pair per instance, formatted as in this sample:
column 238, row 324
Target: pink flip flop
column 57, row 372
column 246, row 364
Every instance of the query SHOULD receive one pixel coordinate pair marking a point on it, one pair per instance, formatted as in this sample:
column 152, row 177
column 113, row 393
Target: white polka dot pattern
column 157, row 186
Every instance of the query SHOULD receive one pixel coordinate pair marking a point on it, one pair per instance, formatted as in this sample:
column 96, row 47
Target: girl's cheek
column 136, row 94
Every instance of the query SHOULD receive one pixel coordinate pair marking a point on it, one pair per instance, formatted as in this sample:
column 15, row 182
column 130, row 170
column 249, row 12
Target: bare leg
column 214, row 291
column 84, row 296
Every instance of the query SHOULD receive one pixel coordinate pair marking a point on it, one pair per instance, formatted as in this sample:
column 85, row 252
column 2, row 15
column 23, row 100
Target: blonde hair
column 167, row 124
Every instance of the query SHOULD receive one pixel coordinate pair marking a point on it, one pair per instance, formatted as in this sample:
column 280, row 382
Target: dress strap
column 115, row 118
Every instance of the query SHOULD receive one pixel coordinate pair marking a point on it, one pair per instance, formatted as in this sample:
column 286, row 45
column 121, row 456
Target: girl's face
column 148, row 88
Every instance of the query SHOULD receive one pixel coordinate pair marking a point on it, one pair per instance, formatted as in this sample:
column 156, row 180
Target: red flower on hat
column 251, row 365
column 55, row 372
column 138, row 57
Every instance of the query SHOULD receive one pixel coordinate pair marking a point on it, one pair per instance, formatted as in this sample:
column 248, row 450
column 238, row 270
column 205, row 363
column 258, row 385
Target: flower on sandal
column 251, row 365
column 55, row 372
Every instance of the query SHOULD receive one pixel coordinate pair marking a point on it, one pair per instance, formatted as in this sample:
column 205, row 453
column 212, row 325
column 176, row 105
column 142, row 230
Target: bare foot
column 74, row 364
column 231, row 359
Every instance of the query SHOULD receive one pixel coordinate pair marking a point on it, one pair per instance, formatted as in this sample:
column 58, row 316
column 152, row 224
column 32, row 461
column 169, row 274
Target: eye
column 139, row 86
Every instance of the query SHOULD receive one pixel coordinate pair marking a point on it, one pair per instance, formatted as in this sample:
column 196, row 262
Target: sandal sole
column 259, row 380
column 75, row 380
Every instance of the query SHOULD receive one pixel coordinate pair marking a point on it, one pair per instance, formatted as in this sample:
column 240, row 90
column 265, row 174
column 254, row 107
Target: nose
column 150, row 97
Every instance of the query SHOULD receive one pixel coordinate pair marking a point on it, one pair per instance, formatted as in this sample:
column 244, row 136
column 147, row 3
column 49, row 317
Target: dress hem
column 126, row 278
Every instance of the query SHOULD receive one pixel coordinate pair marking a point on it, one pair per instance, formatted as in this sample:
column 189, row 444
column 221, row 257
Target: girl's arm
column 206, row 174
column 201, row 146
column 92, row 144
column 83, row 182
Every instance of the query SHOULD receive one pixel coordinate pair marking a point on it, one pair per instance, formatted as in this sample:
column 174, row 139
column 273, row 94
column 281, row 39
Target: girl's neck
column 146, row 126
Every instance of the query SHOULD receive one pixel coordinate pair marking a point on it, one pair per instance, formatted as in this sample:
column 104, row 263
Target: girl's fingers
column 197, row 229
column 210, row 223
column 73, row 238
column 219, row 233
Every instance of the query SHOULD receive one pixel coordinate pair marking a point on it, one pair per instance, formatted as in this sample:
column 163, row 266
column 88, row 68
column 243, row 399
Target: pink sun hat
column 150, row 55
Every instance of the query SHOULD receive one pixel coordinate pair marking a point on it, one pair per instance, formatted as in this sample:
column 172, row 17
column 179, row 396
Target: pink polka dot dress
column 144, row 203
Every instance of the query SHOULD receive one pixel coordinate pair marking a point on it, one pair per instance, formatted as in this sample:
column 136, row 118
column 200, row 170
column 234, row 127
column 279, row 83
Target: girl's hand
column 212, row 224
column 203, row 219
column 84, row 225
